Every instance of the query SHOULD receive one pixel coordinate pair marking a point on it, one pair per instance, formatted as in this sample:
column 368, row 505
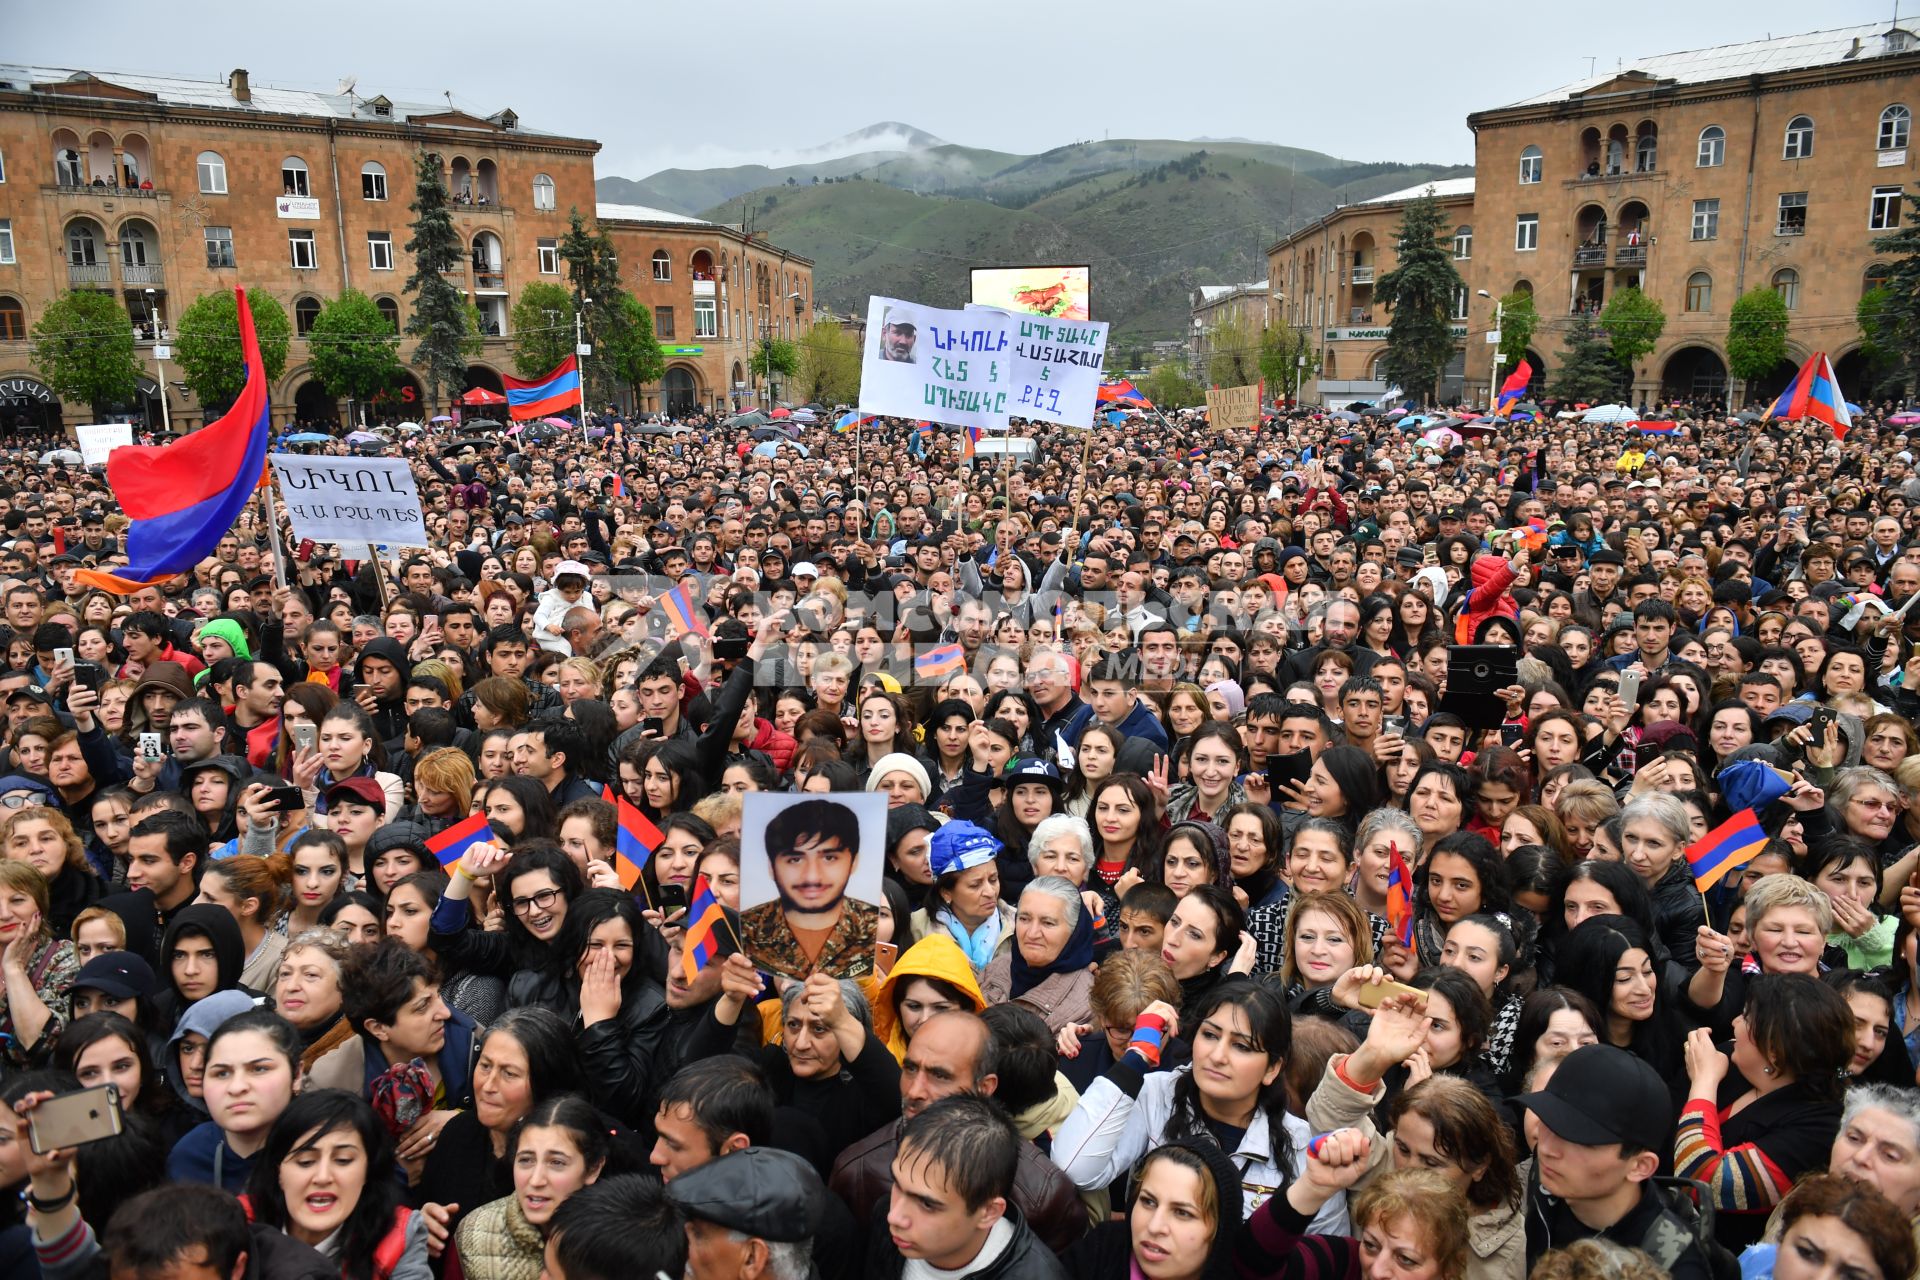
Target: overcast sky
column 696, row 84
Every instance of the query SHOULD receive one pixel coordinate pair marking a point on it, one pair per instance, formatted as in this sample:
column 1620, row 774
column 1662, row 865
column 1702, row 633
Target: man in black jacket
column 950, row 1211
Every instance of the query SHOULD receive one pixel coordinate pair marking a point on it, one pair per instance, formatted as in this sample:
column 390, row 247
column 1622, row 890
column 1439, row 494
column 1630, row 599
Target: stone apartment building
column 159, row 189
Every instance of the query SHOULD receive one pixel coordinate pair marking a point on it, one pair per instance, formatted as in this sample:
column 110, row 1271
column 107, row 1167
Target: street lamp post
column 1299, row 379
column 1499, row 356
column 160, row 353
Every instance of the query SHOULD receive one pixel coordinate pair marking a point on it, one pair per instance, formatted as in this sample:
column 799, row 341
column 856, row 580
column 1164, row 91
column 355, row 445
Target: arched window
column 662, row 265
column 1646, row 150
column 306, row 310
column 213, row 173
column 1799, row 138
column 391, row 310
column 373, row 181
column 1699, row 292
column 83, row 250
column 1463, row 242
column 293, row 177
column 1895, row 124
column 1786, row 283
column 543, row 194
column 13, row 320
column 1713, row 148
column 1532, row 166
column 136, row 242
column 1875, row 278
column 1523, row 286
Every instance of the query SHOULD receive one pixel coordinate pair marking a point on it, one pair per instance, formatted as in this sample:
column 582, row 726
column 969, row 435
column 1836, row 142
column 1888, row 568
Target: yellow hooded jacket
column 934, row 956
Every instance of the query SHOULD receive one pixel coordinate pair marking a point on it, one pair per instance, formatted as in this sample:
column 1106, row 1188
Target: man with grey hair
column 750, row 1216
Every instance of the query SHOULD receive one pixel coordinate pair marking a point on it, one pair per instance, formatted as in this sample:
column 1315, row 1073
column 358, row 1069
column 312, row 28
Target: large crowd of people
column 1287, row 862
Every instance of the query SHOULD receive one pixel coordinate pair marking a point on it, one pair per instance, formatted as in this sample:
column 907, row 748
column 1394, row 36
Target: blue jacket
column 201, row 1153
column 456, row 1061
column 1141, row 722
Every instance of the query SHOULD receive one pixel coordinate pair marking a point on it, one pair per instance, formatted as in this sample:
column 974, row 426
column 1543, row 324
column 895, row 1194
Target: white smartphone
column 1629, row 689
column 63, row 655
column 305, row 736
column 151, row 747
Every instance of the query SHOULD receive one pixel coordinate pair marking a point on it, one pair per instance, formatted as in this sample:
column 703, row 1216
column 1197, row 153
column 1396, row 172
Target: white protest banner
column 98, row 439
column 351, row 499
column 954, row 367
column 1233, row 407
column 1057, row 368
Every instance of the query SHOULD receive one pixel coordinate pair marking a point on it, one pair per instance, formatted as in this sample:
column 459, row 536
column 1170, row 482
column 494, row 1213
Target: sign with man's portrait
column 810, row 869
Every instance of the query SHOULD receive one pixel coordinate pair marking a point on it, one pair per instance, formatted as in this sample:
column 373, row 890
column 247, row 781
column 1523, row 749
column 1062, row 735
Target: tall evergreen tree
column 442, row 318
column 1420, row 289
column 1897, row 325
column 1588, row 371
column 625, row 352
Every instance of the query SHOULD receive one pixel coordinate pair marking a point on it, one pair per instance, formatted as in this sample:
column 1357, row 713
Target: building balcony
column 1363, row 275
column 1590, row 255
column 83, row 274
column 1359, row 315
column 140, row 274
column 103, row 191
column 489, row 280
column 703, row 288
column 1630, row 255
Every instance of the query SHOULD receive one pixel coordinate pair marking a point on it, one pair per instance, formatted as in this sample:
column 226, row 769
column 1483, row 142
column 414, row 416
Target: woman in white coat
column 1234, row 1089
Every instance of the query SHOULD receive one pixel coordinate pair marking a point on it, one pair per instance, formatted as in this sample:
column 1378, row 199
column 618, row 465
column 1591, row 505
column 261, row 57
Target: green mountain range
column 1155, row 218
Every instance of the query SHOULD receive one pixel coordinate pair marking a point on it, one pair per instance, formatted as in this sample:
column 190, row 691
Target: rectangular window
column 1706, row 219
column 1884, row 213
column 373, row 186
column 294, row 179
column 663, row 322
column 305, row 256
column 549, row 257
column 1793, row 214
column 662, row 267
column 6, row 241
column 1530, row 169
column 1526, row 232
column 380, row 250
column 3, row 168
column 705, row 318
column 1460, row 296
column 1463, row 243
column 219, row 246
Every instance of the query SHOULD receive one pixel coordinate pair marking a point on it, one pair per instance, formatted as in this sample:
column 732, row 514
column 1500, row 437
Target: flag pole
column 273, row 535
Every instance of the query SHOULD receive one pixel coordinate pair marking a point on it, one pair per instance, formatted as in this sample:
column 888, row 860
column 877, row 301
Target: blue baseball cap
column 960, row 846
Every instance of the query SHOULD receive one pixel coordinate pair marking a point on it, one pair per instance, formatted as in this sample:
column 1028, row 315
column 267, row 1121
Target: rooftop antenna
column 1590, row 62
column 448, row 95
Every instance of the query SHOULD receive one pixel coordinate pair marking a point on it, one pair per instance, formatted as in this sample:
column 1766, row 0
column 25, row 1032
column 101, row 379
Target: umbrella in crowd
column 1903, row 419
column 69, row 456
column 441, row 418
column 362, row 437
column 771, row 448
column 1609, row 413
column 299, row 437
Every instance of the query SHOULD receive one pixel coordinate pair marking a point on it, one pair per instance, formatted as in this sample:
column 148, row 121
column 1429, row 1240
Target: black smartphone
column 1292, row 767
column 1395, row 725
column 673, row 897
column 1511, row 734
column 90, row 674
column 285, row 798
column 1818, row 722
column 653, row 725
column 731, row 650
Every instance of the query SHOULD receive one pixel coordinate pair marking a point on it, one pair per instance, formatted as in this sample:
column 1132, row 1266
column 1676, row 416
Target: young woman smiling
column 1234, row 1089
column 1326, row 935
column 1214, row 764
column 559, row 1147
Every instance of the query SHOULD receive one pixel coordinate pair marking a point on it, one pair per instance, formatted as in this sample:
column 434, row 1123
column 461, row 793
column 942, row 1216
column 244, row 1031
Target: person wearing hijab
column 1050, row 967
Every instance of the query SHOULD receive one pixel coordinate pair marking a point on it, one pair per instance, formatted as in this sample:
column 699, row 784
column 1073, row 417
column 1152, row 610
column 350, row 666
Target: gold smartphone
column 1374, row 992
column 75, row 1119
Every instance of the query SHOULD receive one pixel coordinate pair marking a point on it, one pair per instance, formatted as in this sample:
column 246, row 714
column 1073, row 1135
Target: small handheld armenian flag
column 939, row 662
column 1399, row 897
column 710, row 933
column 634, row 840
column 452, row 844
column 1726, row 848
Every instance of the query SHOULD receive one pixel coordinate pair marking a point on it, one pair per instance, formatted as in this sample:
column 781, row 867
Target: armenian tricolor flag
column 710, row 934
column 1658, row 428
column 970, row 441
column 1513, row 390
column 1121, row 392
column 538, row 397
column 1727, row 847
column 184, row 496
column 634, row 840
column 680, row 610
column 1814, row 393
column 939, row 662
column 619, row 486
column 452, row 844
column 1399, row 897
column 850, row 421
